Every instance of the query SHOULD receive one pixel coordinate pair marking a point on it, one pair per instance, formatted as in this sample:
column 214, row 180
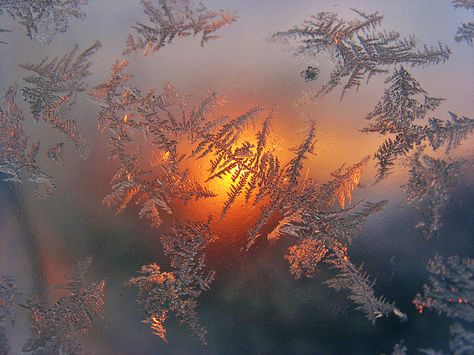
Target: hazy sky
column 248, row 68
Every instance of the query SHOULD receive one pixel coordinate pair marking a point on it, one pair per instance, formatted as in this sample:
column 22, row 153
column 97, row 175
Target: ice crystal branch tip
column 170, row 19
column 1, row 31
column 403, row 104
column 56, row 329
column 161, row 293
column 55, row 153
column 360, row 48
column 52, row 88
column 17, row 159
column 465, row 32
column 43, row 20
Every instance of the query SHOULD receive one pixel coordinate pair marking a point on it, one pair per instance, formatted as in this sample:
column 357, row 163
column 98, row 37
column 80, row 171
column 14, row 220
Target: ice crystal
column 343, row 183
column 360, row 50
column 395, row 114
column 175, row 18
column 400, row 349
column 161, row 293
column 55, row 153
column 324, row 237
column 154, row 185
column 283, row 186
column 253, row 168
column 77, row 278
column 307, row 212
column 56, row 328
column 43, row 20
column 361, row 289
column 3, row 30
column 466, row 30
column 305, row 256
column 17, row 161
column 8, row 294
column 461, row 342
column 125, row 111
column 450, row 288
column 53, row 87
column 430, row 352
column 8, row 300
column 307, row 207
column 429, row 184
column 310, row 74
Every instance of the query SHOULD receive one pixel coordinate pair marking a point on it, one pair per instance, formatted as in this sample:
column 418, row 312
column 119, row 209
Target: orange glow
column 158, row 157
column 157, row 324
column 125, row 118
column 221, row 185
column 345, row 191
column 128, row 197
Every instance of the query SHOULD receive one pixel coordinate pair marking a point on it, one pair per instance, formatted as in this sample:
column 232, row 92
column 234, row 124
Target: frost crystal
column 310, row 74
column 8, row 296
column 3, row 30
column 396, row 113
column 323, row 237
column 400, row 349
column 450, row 289
column 175, row 18
column 307, row 206
column 52, row 90
column 43, row 19
column 55, row 153
column 355, row 280
column 161, row 293
column 466, row 30
column 152, row 183
column 56, row 328
column 462, row 340
column 126, row 111
column 17, row 161
column 429, row 184
column 251, row 167
column 359, row 49
column 306, row 211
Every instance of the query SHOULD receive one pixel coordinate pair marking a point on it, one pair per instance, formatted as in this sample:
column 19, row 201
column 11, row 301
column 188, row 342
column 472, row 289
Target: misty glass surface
column 255, row 305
